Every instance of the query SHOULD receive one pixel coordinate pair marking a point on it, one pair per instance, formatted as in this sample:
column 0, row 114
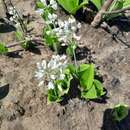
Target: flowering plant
column 57, row 33
column 55, row 75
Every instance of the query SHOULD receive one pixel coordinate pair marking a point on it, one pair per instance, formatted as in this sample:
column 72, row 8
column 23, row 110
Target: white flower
column 53, row 4
column 71, row 20
column 79, row 25
column 60, row 23
column 73, row 28
column 41, row 83
column 52, row 77
column 62, row 76
column 63, row 57
column 39, row 11
column 51, row 85
column 39, row 75
column 44, row 64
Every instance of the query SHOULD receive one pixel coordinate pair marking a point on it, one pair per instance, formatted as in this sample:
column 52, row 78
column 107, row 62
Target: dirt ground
column 23, row 105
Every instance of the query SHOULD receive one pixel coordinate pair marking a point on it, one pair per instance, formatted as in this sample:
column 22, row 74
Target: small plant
column 57, row 33
column 90, row 87
column 25, row 42
column 57, row 75
column 3, row 49
column 50, row 38
column 120, row 112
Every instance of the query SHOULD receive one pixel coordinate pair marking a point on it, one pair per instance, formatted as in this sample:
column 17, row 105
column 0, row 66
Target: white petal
column 52, row 77
column 41, row 83
column 44, row 64
column 50, row 85
column 62, row 76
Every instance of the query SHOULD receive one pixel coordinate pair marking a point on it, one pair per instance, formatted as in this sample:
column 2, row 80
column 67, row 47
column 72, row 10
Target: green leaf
column 99, row 88
column 90, row 94
column 120, row 111
column 72, row 69
column 86, row 76
column 95, row 92
column 61, row 88
column 72, row 5
column 19, row 36
column 53, row 95
column 3, row 49
column 51, row 39
column 71, row 48
column 126, row 3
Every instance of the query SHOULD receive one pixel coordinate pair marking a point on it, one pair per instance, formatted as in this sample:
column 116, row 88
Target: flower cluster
column 48, row 72
column 65, row 30
column 14, row 16
column 52, row 4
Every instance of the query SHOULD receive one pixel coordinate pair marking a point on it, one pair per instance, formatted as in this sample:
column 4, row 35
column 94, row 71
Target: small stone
column 115, row 82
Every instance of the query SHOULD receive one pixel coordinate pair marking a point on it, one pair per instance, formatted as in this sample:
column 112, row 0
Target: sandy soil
column 23, row 105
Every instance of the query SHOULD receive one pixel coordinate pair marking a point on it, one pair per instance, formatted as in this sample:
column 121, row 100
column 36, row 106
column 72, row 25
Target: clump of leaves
column 24, row 41
column 3, row 49
column 90, row 87
column 50, row 38
column 61, row 88
column 120, row 112
column 72, row 6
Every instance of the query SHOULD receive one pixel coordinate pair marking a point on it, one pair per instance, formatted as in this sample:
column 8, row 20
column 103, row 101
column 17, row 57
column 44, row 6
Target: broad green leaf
column 72, row 69
column 98, row 3
column 86, row 77
column 72, row 5
column 126, row 3
column 120, row 111
column 82, row 68
column 90, row 94
column 3, row 49
column 99, row 88
column 95, row 92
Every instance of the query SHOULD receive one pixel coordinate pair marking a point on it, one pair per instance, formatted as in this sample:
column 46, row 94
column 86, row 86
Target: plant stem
column 75, row 61
column 104, row 8
column 23, row 26
column 118, row 11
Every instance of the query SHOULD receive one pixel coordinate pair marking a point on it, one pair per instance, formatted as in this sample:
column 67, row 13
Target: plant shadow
column 4, row 90
column 122, row 24
column 109, row 124
column 14, row 54
column 83, row 53
column 73, row 92
column 5, row 28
